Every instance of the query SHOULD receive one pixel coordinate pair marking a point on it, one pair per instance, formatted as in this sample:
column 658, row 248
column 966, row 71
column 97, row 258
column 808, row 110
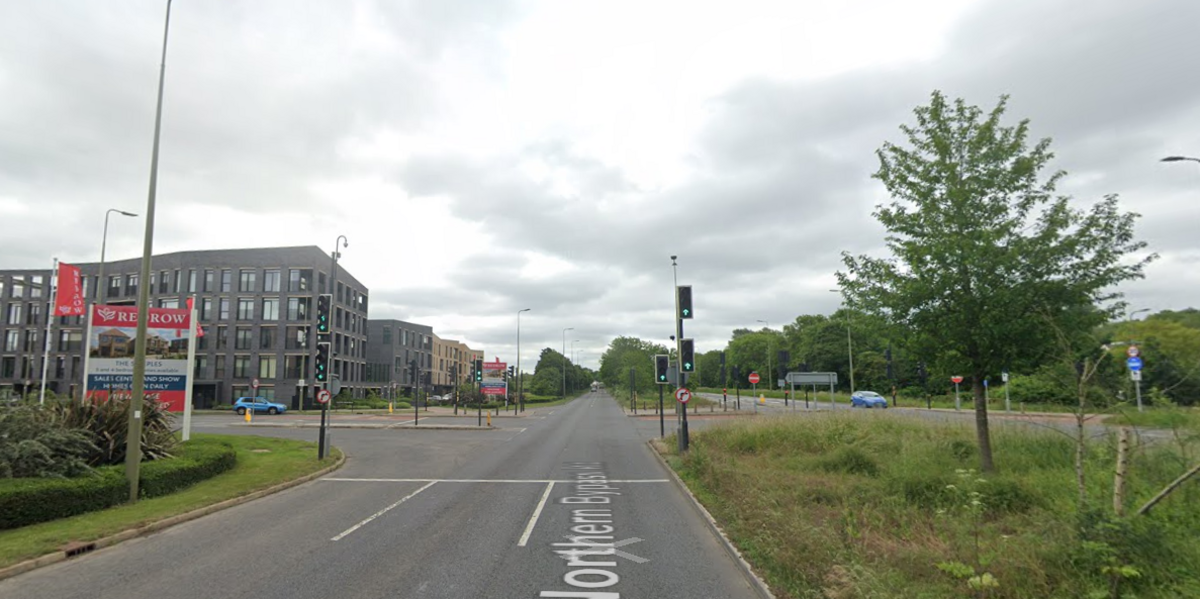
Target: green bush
column 199, row 460
column 402, row 405
column 34, row 443
column 849, row 460
column 25, row 501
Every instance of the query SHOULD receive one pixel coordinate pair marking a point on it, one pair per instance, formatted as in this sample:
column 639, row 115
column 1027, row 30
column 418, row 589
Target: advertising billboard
column 494, row 382
column 109, row 361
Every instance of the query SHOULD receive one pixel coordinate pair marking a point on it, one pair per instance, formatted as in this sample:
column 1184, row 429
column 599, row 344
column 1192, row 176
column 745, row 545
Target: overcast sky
column 488, row 156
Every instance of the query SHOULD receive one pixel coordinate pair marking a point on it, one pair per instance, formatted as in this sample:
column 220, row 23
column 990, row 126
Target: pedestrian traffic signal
column 478, row 371
column 687, row 355
column 685, row 300
column 321, row 370
column 662, row 363
column 324, row 305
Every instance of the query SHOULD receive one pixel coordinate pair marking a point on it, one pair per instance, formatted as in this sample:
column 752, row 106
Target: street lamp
column 321, row 444
column 573, row 342
column 1136, row 312
column 564, row 367
column 768, row 351
column 520, row 395
column 1179, row 159
column 849, row 345
column 103, row 291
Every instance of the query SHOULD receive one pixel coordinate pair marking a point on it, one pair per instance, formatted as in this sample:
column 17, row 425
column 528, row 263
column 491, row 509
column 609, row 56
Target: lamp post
column 681, row 409
column 520, row 395
column 573, row 342
column 849, row 345
column 325, row 416
column 133, row 443
column 564, row 355
column 1135, row 313
column 1179, row 159
column 102, row 292
column 768, row 351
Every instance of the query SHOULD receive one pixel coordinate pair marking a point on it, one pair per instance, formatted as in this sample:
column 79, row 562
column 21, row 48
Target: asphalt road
column 564, row 502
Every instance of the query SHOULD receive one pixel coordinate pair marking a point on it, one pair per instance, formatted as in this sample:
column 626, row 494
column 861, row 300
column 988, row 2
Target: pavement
column 558, row 502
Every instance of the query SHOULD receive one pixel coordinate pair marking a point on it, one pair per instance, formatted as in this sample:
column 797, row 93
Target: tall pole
column 52, row 283
column 572, row 363
column 769, row 371
column 683, row 425
column 326, row 415
column 102, row 292
column 520, row 394
column 564, row 366
column 133, row 448
column 849, row 345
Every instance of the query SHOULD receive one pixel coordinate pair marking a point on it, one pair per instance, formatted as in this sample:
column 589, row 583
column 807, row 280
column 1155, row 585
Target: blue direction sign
column 1134, row 363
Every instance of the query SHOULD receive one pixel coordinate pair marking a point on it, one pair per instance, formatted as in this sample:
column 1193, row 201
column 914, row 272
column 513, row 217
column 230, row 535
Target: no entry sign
column 682, row 395
column 956, row 379
column 754, row 378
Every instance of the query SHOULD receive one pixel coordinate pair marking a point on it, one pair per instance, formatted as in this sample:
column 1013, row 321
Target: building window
column 209, row 281
column 297, row 338
column 321, row 282
column 206, row 308
column 8, row 367
column 14, row 313
column 222, row 337
column 153, row 281
column 35, row 286
column 64, row 340
column 164, row 282
column 270, row 308
column 223, row 311
column 341, row 290
column 242, row 339
column 387, row 335
column 241, row 367
column 201, row 368
column 131, row 285
column 60, row 366
column 245, row 308
column 34, row 315
column 18, row 286
column 12, row 340
column 219, row 372
column 178, row 283
column 226, row 281
column 295, row 367
column 299, row 279
column 266, row 337
column 271, row 281
column 169, row 303
column 30, row 340
column 246, row 281
column 298, row 308
column 202, row 342
column 266, row 367
column 114, row 286
column 192, row 280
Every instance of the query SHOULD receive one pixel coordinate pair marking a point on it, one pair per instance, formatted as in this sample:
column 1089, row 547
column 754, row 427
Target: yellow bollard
column 489, row 418
column 389, row 407
column 762, row 399
column 249, row 411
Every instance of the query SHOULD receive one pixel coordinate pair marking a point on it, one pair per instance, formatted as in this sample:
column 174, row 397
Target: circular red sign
column 956, row 379
column 323, row 396
column 754, row 377
column 682, row 395
column 254, row 383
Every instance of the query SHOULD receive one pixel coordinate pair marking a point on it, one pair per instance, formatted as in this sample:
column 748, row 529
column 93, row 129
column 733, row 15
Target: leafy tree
column 986, row 259
column 624, row 353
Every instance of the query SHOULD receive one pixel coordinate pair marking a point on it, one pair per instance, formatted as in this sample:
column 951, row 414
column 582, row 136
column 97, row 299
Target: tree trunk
column 1119, row 474
column 981, row 425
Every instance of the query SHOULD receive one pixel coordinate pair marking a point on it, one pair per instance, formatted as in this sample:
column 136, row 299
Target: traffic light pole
column 662, row 426
column 683, row 424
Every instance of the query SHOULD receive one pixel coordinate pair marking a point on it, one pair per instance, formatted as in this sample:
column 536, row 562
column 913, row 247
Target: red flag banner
column 199, row 329
column 69, row 301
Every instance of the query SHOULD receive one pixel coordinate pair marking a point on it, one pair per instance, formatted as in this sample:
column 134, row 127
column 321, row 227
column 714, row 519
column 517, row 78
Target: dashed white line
column 385, row 510
column 480, row 480
column 537, row 512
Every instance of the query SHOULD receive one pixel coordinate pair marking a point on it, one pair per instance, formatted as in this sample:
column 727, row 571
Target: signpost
column 957, row 400
column 754, row 378
column 682, row 395
column 1135, row 372
column 1007, row 404
column 814, row 379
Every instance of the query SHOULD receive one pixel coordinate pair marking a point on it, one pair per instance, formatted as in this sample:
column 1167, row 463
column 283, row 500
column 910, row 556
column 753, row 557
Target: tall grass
column 868, row 505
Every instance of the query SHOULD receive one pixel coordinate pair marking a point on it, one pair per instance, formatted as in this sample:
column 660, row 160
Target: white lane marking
column 385, row 510
column 479, row 480
column 537, row 513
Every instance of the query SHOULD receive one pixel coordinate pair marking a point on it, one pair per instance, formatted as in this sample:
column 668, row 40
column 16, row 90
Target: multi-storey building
column 256, row 307
column 451, row 357
column 391, row 346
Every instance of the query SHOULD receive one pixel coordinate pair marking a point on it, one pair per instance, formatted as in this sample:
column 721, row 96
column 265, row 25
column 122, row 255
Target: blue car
column 867, row 399
column 259, row 405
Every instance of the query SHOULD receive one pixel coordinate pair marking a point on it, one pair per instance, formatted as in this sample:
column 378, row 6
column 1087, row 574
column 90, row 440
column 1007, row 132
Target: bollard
column 489, row 418
column 389, row 407
column 249, row 411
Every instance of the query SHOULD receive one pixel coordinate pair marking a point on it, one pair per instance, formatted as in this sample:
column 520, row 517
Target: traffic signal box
column 661, row 366
column 321, row 370
column 324, row 306
column 685, row 301
column 687, row 355
column 478, row 371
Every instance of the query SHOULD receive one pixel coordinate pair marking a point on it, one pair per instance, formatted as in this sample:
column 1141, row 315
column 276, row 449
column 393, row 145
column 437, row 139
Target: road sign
column 1134, row 363
column 1132, row 351
column 323, row 396
column 956, row 379
column 335, row 384
column 811, row 378
column 682, row 395
column 1004, row 376
column 254, row 383
column 754, row 378
column 1135, row 375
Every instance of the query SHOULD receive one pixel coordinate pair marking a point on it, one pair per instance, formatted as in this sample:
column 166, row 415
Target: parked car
column 867, row 399
column 260, row 405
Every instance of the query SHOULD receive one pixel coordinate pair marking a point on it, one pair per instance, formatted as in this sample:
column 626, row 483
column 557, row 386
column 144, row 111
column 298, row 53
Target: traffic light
column 511, row 372
column 785, row 358
column 321, row 372
column 661, row 366
column 324, row 305
column 687, row 355
column 685, row 301
column 478, row 371
column 412, row 371
column 737, row 374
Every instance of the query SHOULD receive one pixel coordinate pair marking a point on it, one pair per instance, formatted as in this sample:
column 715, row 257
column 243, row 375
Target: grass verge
column 881, row 505
column 262, row 463
column 1166, row 418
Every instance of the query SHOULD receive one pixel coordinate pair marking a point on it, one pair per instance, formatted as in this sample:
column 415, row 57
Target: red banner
column 199, row 329
column 69, row 301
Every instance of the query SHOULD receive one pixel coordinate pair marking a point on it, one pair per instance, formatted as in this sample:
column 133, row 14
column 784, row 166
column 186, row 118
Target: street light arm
column 1179, row 159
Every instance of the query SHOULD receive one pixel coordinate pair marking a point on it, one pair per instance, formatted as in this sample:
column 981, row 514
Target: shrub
column 849, row 460
column 107, row 421
column 198, row 461
column 25, row 501
column 35, row 444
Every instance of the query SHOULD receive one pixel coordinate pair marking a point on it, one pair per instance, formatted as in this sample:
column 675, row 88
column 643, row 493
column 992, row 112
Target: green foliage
column 623, row 354
column 107, row 422
column 199, row 460
column 35, row 444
